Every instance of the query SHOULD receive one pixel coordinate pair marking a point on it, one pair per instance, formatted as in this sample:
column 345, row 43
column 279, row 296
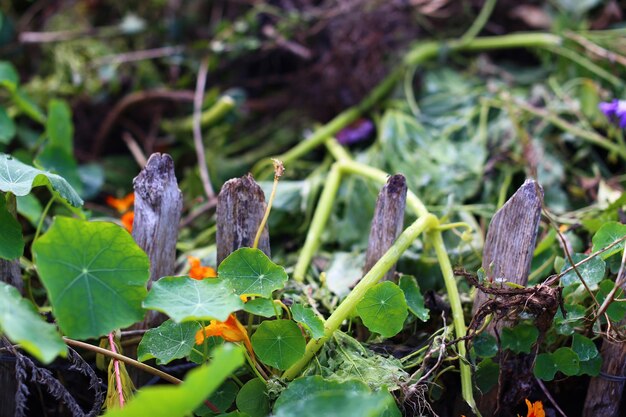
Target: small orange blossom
column 199, row 272
column 127, row 220
column 230, row 330
column 535, row 409
column 121, row 204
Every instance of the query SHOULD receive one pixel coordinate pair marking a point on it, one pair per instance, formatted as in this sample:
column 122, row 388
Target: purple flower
column 615, row 111
column 356, row 132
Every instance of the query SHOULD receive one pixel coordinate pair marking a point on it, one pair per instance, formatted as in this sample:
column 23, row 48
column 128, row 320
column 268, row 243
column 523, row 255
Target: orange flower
column 199, row 272
column 121, row 204
column 127, row 220
column 230, row 330
column 535, row 409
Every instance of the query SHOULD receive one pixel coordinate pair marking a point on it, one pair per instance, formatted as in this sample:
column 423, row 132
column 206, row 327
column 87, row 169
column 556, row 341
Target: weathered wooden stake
column 387, row 223
column 158, row 207
column 507, row 255
column 240, row 209
column 604, row 395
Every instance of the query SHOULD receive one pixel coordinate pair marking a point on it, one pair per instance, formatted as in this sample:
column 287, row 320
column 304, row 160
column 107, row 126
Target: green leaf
column 181, row 400
column 307, row 317
column 566, row 361
column 11, row 239
column 485, row 345
column 591, row 367
column 487, row 373
column 609, row 233
column 59, row 127
column 95, row 275
column 28, row 106
column 20, row 322
column 7, row 127
column 383, row 309
column 314, row 396
column 222, row 398
column 253, row 400
column 584, row 347
column 56, row 160
column 29, row 207
column 184, row 299
column 575, row 315
column 250, row 272
column 167, row 342
column 263, row 307
column 617, row 309
column 20, row 179
column 278, row 343
column 8, row 76
column 545, row 367
column 414, row 297
column 520, row 338
column 592, row 271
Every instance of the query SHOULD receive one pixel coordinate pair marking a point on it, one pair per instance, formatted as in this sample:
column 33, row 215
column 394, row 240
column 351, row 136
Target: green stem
column 480, row 21
column 44, row 213
column 370, row 279
column 208, row 117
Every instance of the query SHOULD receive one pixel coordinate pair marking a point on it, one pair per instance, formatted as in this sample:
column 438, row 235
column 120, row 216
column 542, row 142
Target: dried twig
column 197, row 129
column 135, row 149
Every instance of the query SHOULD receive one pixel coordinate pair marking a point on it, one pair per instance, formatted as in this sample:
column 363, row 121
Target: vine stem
column 370, row 279
column 116, row 367
column 132, row 362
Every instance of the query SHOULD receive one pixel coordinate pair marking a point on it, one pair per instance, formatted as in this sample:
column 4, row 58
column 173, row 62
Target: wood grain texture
column 603, row 395
column 10, row 273
column 387, row 223
column 240, row 209
column 507, row 256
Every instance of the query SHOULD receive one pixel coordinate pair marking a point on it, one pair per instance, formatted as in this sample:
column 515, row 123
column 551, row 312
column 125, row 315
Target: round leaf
column 307, row 317
column 222, row 398
column 487, row 374
column 21, row 323
column 414, row 297
column 167, row 342
column 584, row 347
column 591, row 367
column 7, row 127
column 592, row 271
column 383, row 309
column 278, row 343
column 95, row 275
column 263, row 307
column 184, row 299
column 520, row 338
column 566, row 361
column 250, row 272
column 485, row 345
column 59, row 127
column 545, row 367
column 252, row 399
column 606, row 235
column 20, row 178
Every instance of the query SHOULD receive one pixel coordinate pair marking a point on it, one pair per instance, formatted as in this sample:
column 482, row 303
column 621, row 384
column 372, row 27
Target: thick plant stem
column 369, row 280
column 324, row 208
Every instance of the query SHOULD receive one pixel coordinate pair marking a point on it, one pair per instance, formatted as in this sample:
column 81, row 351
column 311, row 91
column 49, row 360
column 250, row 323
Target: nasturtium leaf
column 592, row 271
column 250, row 272
column 20, row 322
column 314, row 396
column 11, row 240
column 26, row 104
column 222, row 398
column 566, row 361
column 19, row 178
column 383, row 309
column 263, row 307
column 574, row 317
column 591, row 367
column 252, row 398
column 167, row 342
column 520, row 338
column 55, row 160
column 7, row 127
column 307, row 317
column 584, row 347
column 95, row 275
column 545, row 367
column 278, row 343
column 185, row 299
column 487, row 373
column 414, row 297
column 59, row 127
column 8, row 76
column 617, row 309
column 181, row 400
column 30, row 208
column 606, row 235
column 485, row 345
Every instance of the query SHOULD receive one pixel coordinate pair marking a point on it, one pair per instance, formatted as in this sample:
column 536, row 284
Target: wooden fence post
column 240, row 209
column 507, row 255
column 604, row 394
column 387, row 223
